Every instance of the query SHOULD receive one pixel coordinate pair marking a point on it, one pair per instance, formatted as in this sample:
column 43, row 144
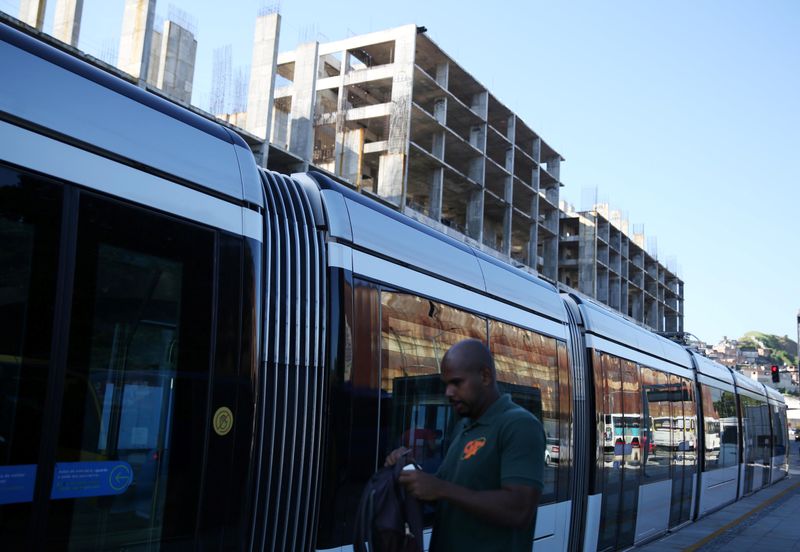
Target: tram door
column 619, row 404
column 684, row 450
column 110, row 383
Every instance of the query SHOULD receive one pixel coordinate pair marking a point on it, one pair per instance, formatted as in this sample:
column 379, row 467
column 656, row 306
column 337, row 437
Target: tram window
column 565, row 422
column 632, row 451
column 415, row 334
column 391, row 380
column 137, row 380
column 755, row 421
column 352, row 449
column 610, row 432
column 623, row 444
column 778, row 432
column 658, row 424
column 30, row 219
column 527, row 368
column 721, row 428
column 685, row 458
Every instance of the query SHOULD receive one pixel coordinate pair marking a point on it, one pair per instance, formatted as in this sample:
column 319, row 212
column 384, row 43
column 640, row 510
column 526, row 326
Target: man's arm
column 510, row 506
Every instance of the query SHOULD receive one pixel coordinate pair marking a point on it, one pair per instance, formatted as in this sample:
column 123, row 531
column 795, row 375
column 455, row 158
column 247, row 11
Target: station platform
column 767, row 520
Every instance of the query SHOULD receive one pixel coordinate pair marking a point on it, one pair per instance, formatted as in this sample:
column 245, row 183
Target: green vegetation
column 781, row 350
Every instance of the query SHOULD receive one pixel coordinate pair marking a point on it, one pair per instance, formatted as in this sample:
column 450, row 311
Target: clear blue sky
column 683, row 114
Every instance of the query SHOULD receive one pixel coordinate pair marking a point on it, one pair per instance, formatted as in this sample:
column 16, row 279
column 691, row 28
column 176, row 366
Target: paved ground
column 768, row 520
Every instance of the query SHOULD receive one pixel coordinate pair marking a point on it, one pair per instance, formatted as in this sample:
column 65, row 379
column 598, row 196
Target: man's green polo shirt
column 505, row 446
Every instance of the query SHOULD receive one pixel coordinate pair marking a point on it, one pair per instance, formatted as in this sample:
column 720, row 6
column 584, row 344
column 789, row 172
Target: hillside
column 784, row 350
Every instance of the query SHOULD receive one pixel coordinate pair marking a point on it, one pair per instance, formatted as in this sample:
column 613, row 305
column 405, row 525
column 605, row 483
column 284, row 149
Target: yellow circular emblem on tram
column 223, row 420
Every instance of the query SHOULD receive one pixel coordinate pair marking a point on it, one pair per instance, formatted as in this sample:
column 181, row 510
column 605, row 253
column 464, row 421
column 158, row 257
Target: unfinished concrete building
column 600, row 258
column 66, row 21
column 163, row 58
column 393, row 115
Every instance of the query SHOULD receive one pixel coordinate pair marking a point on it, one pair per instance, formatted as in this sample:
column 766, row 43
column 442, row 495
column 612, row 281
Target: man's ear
column 486, row 375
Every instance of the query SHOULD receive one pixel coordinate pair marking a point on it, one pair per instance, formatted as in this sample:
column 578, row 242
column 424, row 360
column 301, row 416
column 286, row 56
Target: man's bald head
column 471, row 355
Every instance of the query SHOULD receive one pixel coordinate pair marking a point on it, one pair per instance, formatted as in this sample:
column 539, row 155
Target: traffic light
column 776, row 378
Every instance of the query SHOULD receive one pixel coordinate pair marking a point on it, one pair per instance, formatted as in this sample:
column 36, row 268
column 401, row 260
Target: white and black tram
column 196, row 353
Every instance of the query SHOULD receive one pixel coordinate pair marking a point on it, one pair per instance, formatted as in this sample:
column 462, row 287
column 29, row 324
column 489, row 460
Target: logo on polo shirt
column 472, row 448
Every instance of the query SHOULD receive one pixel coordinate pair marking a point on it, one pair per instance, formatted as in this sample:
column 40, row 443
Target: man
column 488, row 487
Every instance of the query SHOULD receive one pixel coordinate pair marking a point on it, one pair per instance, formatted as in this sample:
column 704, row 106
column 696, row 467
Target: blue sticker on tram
column 84, row 479
column 17, row 483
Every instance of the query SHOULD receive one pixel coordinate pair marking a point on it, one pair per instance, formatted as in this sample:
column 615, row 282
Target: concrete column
column 440, row 110
column 623, row 296
column 135, row 38
column 260, row 95
column 477, row 166
column 509, row 162
column 537, row 149
column 443, row 74
column 475, row 215
column 67, row 21
column 508, row 215
column 176, row 67
column 392, row 165
column 438, row 145
column 480, row 104
column 651, row 313
column 176, row 62
column 301, row 137
column 154, row 66
column 477, row 137
column 437, row 190
column 636, row 305
column 32, row 12
column 587, row 257
column 533, row 234
column 351, row 156
column 477, row 169
column 554, row 167
column 550, row 254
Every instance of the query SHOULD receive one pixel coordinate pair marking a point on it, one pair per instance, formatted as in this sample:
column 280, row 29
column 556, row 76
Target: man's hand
column 395, row 455
column 421, row 485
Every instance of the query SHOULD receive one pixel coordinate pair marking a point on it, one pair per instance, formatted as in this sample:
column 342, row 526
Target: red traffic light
column 775, row 375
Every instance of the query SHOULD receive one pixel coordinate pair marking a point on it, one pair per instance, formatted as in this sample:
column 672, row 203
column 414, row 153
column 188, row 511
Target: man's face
column 463, row 387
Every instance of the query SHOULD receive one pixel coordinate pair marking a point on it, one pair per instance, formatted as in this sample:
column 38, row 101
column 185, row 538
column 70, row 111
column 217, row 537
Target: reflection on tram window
column 415, row 334
column 658, row 424
column 136, row 385
column 684, row 430
column 778, row 432
column 30, row 221
column 721, row 428
column 392, row 378
column 757, row 445
column 608, row 479
column 527, row 369
column 129, row 388
column 633, row 457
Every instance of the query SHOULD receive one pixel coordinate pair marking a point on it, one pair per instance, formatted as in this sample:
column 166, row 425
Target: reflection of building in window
column 421, row 417
column 416, row 333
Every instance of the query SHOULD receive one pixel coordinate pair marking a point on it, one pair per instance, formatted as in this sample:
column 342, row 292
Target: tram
column 196, row 352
